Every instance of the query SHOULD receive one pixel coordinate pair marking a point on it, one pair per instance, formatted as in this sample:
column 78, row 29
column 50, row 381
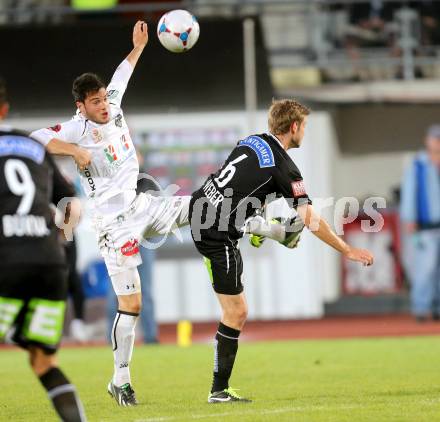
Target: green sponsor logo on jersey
column 110, row 154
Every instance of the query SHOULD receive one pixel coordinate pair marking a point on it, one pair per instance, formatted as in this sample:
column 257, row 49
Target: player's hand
column 82, row 158
column 140, row 34
column 360, row 255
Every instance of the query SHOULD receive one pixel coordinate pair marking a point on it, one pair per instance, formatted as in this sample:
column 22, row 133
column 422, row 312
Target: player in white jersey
column 98, row 139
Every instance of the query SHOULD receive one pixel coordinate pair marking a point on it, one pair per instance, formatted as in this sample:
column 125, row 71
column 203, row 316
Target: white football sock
column 258, row 225
column 123, row 333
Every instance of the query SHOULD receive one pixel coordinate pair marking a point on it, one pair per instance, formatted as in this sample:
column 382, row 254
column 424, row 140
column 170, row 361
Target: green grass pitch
column 392, row 379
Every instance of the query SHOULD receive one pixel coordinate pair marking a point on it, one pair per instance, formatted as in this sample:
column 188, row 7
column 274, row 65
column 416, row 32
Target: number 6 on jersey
column 228, row 172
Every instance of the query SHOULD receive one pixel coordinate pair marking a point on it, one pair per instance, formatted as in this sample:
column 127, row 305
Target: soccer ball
column 178, row 31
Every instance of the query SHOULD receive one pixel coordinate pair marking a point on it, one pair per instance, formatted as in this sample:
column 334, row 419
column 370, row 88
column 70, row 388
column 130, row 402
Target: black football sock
column 63, row 395
column 225, row 350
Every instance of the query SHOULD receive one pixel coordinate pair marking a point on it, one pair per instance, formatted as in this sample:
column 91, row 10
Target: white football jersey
column 111, row 178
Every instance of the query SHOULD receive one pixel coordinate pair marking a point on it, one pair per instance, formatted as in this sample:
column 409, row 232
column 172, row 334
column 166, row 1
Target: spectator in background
column 370, row 26
column 79, row 331
column 78, row 328
column 420, row 215
column 369, row 20
column 429, row 12
column 148, row 321
column 371, row 14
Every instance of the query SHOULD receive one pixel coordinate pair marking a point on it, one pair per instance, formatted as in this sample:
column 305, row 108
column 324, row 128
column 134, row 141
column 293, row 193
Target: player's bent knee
column 130, row 303
column 236, row 315
column 241, row 315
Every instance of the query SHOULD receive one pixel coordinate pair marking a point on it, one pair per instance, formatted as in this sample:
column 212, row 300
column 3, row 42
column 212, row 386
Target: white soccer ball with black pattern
column 178, row 31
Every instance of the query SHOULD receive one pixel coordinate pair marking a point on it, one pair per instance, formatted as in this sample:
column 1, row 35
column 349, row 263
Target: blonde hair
column 283, row 112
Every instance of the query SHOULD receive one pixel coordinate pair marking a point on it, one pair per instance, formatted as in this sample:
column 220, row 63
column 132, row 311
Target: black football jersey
column 29, row 182
column 257, row 170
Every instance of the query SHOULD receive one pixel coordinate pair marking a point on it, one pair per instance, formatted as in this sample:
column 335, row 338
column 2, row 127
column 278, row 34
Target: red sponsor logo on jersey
column 55, row 128
column 130, row 248
column 298, row 189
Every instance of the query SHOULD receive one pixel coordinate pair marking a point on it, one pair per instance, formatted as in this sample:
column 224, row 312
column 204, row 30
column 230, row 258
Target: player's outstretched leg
column 226, row 346
column 59, row 389
column 127, row 287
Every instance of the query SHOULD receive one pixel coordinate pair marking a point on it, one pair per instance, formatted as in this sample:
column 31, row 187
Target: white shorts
column 148, row 216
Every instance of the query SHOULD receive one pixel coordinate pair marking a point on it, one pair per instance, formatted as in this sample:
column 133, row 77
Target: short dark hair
column 87, row 83
column 3, row 93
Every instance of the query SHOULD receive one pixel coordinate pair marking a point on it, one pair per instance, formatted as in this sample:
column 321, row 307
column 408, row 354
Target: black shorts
column 32, row 305
column 224, row 263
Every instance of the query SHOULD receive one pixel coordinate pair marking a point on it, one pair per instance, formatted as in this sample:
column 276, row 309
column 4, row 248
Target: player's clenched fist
column 140, row 34
column 82, row 158
column 360, row 255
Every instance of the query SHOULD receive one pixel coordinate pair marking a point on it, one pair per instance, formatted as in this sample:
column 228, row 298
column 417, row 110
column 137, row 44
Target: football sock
column 63, row 396
column 225, row 350
column 272, row 230
column 123, row 333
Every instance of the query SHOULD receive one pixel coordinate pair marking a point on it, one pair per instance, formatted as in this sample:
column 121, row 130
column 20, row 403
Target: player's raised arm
column 140, row 40
column 322, row 230
column 119, row 82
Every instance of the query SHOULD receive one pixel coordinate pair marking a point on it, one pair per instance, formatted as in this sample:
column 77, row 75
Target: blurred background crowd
column 370, row 71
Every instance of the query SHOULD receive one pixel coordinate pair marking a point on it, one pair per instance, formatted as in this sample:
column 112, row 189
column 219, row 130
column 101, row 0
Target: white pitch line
column 297, row 409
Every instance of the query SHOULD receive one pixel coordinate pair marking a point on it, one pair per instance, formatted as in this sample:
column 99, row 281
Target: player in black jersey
column 257, row 170
column 33, row 283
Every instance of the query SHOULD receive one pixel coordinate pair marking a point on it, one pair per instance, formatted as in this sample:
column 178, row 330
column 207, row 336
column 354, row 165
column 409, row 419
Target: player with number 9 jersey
column 33, row 278
column 28, row 178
